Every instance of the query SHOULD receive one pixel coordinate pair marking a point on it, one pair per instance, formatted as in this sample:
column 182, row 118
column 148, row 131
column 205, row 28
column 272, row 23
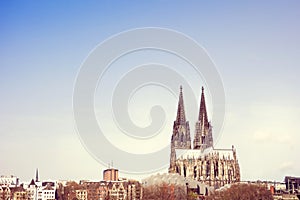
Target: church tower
column 203, row 132
column 181, row 138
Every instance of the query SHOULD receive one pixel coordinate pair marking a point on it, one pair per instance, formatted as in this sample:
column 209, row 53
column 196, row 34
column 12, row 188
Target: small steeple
column 180, row 119
column 37, row 175
column 202, row 112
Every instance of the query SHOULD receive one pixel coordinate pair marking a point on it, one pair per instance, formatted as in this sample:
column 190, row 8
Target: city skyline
column 254, row 45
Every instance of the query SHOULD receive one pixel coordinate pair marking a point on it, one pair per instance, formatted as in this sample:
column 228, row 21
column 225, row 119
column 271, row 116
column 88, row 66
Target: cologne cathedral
column 201, row 162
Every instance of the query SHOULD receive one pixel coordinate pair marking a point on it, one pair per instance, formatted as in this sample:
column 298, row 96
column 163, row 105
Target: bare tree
column 164, row 192
column 242, row 192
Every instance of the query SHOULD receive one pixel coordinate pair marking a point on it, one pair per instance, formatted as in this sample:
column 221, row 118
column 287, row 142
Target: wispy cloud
column 272, row 136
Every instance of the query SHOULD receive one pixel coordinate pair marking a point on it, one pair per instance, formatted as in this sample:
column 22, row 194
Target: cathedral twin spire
column 181, row 131
column 203, row 130
column 181, row 138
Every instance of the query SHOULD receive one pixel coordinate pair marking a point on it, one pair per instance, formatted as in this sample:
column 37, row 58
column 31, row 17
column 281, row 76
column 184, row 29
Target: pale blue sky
column 255, row 45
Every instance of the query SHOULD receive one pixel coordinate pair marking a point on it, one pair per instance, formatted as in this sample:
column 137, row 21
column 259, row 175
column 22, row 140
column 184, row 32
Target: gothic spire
column 202, row 113
column 180, row 119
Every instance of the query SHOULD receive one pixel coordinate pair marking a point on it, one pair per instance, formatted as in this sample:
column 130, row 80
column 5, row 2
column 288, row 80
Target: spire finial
column 202, row 89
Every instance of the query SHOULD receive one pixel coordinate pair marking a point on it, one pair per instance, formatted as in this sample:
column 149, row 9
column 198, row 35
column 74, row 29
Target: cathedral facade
column 201, row 162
